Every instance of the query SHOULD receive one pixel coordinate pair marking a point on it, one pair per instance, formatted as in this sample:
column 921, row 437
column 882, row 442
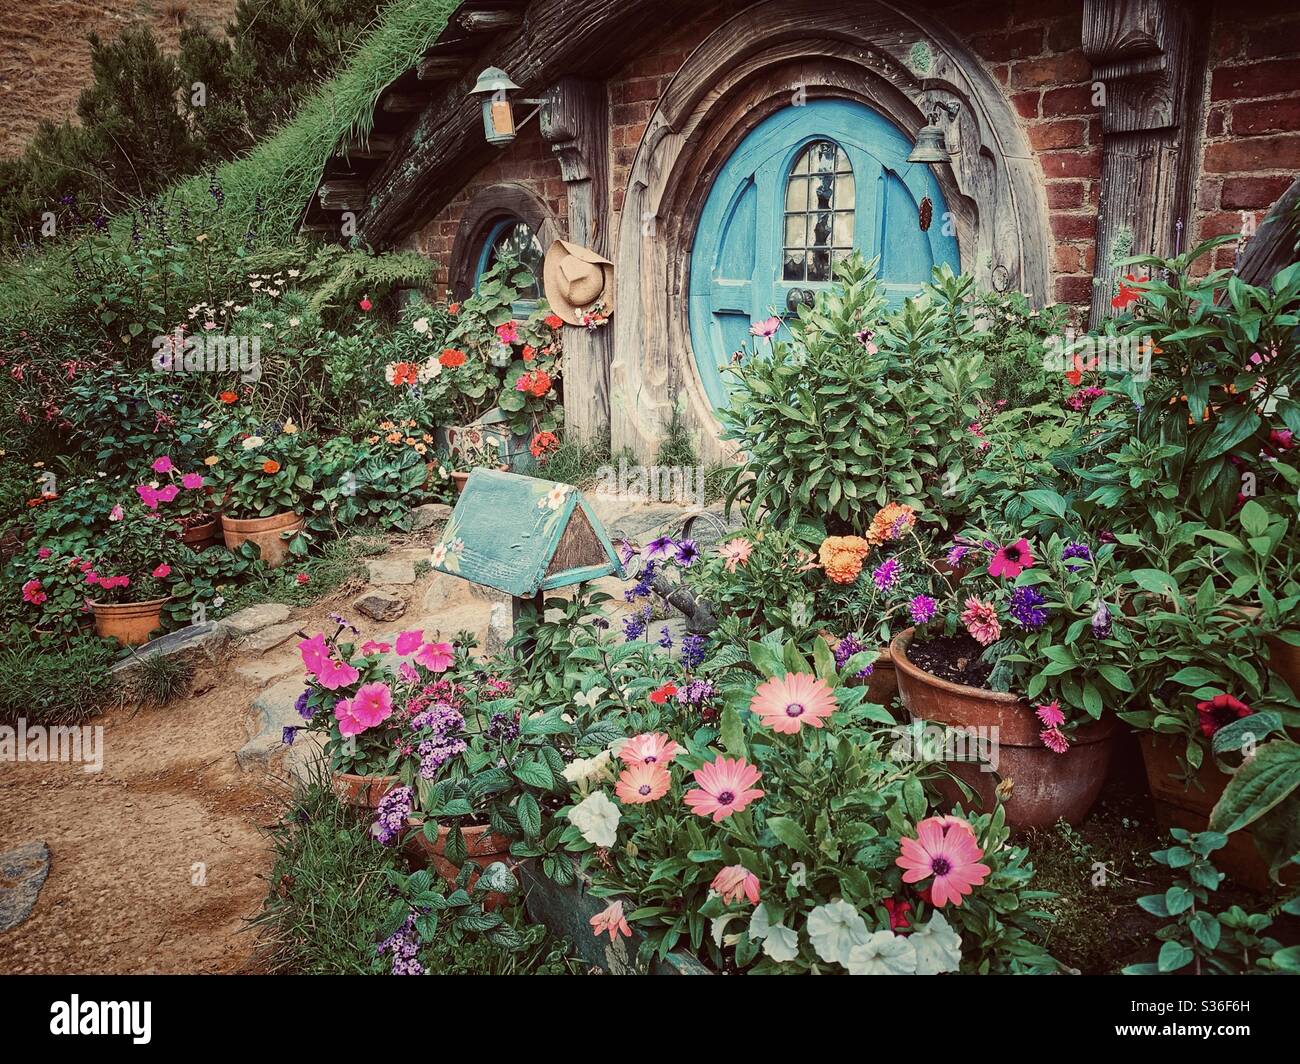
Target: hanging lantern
column 494, row 86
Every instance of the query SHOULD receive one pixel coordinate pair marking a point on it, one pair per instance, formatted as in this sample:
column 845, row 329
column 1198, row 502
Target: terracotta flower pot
column 1284, row 659
column 1179, row 805
column 1045, row 786
column 364, row 792
column 202, row 533
column 483, row 848
column 461, row 479
column 882, row 684
column 130, row 623
column 265, row 532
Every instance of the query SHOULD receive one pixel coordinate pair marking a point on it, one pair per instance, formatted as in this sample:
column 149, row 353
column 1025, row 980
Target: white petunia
column 779, row 942
column 583, row 770
column 835, row 928
column 937, row 945
column 884, row 953
column 253, row 441
column 596, row 819
column 588, row 698
column 420, row 325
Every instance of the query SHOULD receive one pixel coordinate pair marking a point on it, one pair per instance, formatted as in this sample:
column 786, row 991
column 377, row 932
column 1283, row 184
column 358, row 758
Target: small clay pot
column 364, row 792
column 481, row 845
column 130, row 623
column 202, row 534
column 265, row 532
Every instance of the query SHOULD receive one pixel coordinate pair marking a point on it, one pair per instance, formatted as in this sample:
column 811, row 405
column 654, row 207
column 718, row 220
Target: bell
column 931, row 146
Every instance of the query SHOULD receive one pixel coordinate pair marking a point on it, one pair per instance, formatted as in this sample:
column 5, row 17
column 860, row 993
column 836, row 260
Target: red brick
column 634, row 89
column 1071, row 163
column 1018, row 44
column 1066, row 259
column 1057, row 70
column 1227, row 41
column 1207, row 193
column 1073, row 100
column 1026, row 103
column 1256, row 192
column 624, row 156
column 1071, row 133
column 1074, row 226
column 1257, row 79
column 1277, row 39
column 1072, row 289
column 1065, row 34
column 667, row 61
column 1063, row 195
column 1223, row 222
column 1216, row 122
column 628, row 113
column 1002, row 73
column 1254, row 153
column 1270, row 116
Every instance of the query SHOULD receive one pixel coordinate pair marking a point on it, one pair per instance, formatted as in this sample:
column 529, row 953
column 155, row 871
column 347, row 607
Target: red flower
column 453, row 308
column 1220, row 711
column 664, row 693
column 270, row 466
column 530, row 353
column 554, row 321
column 541, row 383
column 365, row 303
column 451, row 358
column 543, row 443
column 1127, row 294
column 898, row 911
column 302, row 578
column 1075, row 376
column 228, row 398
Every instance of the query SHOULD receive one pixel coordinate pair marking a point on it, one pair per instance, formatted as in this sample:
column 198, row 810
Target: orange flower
column 270, row 466
column 841, row 557
column 530, row 353
column 554, row 321
column 228, row 398
column 451, row 358
column 890, row 523
column 453, row 308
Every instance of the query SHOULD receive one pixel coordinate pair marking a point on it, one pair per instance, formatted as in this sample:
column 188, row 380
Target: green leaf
column 733, row 732
column 1257, row 786
column 790, row 833
column 1173, row 955
column 1206, row 929
column 529, row 814
column 1178, row 900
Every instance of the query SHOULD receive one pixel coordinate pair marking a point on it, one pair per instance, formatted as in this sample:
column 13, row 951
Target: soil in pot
column 130, row 623
column 265, row 532
column 1002, row 734
column 481, row 845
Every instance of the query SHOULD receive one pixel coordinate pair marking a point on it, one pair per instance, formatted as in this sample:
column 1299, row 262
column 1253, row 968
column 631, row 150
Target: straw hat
column 575, row 278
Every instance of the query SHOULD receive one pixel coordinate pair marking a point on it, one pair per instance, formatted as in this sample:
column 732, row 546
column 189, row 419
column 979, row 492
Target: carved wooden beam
column 489, row 20
column 1152, row 68
column 574, row 121
column 375, row 146
column 402, row 103
column 342, row 195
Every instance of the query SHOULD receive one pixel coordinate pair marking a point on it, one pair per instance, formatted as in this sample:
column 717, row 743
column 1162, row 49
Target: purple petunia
column 1076, row 550
column 660, row 548
column 301, row 705
column 1027, row 607
column 687, row 552
column 1101, row 621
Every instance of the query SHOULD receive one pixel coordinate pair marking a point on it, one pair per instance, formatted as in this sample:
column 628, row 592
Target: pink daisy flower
column 641, row 783
column 735, row 552
column 981, row 620
column 1010, row 561
column 612, row 920
column 734, row 881
column 786, row 703
column 766, row 328
column 649, row 748
column 726, row 786
column 944, row 847
column 1054, row 739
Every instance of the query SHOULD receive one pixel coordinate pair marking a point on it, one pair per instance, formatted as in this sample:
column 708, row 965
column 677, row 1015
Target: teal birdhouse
column 523, row 536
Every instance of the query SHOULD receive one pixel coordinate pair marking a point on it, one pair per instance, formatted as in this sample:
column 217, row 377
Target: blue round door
column 808, row 186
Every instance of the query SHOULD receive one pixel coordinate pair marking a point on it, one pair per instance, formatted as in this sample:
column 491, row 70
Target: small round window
column 819, row 197
column 513, row 239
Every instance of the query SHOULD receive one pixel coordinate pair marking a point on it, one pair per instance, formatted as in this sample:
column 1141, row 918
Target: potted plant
column 1028, row 653
column 127, row 573
column 268, row 478
column 473, row 447
column 188, row 500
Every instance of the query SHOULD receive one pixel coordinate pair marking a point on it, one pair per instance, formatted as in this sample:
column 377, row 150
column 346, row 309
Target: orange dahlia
column 841, row 557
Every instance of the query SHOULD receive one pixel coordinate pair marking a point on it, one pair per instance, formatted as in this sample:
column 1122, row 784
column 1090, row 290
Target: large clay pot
column 1045, row 786
column 481, row 845
column 130, row 623
column 1180, row 805
column 1284, row 659
column 364, row 792
column 265, row 532
column 882, row 684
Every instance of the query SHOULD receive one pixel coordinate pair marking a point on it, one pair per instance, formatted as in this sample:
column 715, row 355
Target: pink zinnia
column 335, row 674
column 734, row 881
column 1010, row 561
column 162, row 571
column 981, row 620
column 650, row 748
column 372, row 704
column 314, row 653
column 944, row 847
column 1054, row 739
column 610, row 919
column 409, row 641
column 436, row 657
column 192, row 480
column 786, row 703
column 726, row 787
column 1050, row 714
column 162, row 465
column 641, row 783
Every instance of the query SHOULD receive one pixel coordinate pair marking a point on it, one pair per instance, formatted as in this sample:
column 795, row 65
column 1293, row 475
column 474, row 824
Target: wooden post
column 1144, row 54
column 575, row 122
column 517, row 606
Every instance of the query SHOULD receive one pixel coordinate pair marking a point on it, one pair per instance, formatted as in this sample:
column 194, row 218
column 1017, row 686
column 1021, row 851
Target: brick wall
column 1251, row 150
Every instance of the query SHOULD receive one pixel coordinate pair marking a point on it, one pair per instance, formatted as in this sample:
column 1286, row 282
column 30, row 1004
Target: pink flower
column 371, row 647
column 735, row 880
column 168, row 493
column 407, row 672
column 409, row 641
column 981, row 620
column 944, row 847
column 640, row 783
column 162, row 465
column 649, row 748
column 1054, row 740
column 735, row 552
column 1050, row 714
column 349, row 724
column 192, row 480
column 1010, row 561
column 148, row 495
column 302, row 578
column 436, row 657
column 44, row 553
column 33, row 593
column 611, row 920
column 726, row 787
column 335, row 674
column 162, row 571
column 116, row 513
column 314, row 653
column 766, row 329
column 372, row 704
column 508, row 333
column 786, row 703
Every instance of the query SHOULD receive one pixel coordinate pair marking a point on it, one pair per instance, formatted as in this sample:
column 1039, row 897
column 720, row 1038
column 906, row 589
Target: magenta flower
column 1010, row 561
column 436, row 657
column 371, row 647
column 408, row 642
column 44, row 553
column 508, row 333
column 373, row 704
column 1050, row 714
column 192, row 480
column 168, row 493
column 116, row 513
column 885, row 574
column 349, row 724
column 162, row 465
column 1054, row 740
column 162, row 571
column 922, row 609
column 335, row 674
column 314, row 653
column 148, row 495
column 33, row 593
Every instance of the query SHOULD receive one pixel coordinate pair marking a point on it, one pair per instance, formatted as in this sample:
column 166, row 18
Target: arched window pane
column 819, row 199
column 516, row 240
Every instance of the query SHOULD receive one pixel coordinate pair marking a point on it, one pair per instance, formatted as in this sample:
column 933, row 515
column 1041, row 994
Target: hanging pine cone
column 927, row 213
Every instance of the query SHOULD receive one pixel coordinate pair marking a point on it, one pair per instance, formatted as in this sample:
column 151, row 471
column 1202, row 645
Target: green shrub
column 48, row 683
